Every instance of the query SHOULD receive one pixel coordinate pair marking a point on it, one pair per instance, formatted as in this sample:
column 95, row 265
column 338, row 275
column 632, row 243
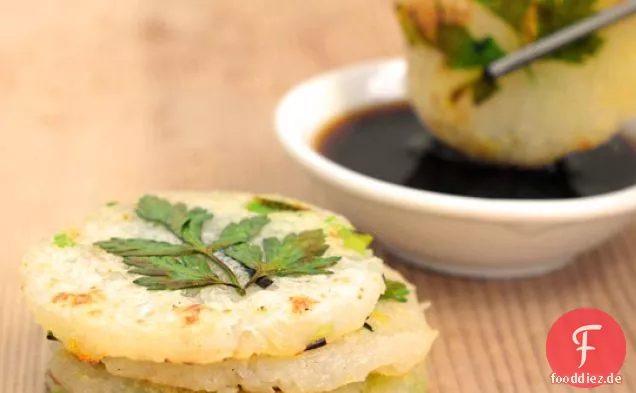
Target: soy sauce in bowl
column 389, row 143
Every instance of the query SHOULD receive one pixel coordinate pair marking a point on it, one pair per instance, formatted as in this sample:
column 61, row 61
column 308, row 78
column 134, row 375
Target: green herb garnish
column 296, row 255
column 554, row 15
column 262, row 205
column 536, row 19
column 112, row 203
column 462, row 51
column 356, row 241
column 185, row 265
column 530, row 19
column 396, row 291
column 63, row 240
column 188, row 271
column 459, row 47
column 188, row 265
column 351, row 238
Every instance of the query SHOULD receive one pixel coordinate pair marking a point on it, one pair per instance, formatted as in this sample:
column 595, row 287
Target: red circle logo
column 586, row 348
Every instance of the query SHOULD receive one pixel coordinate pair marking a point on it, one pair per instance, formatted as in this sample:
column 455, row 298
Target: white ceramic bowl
column 452, row 234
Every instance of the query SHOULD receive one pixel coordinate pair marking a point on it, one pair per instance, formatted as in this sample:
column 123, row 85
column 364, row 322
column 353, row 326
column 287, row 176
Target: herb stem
column 208, row 252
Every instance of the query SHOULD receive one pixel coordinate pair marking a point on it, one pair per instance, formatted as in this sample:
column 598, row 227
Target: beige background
column 105, row 99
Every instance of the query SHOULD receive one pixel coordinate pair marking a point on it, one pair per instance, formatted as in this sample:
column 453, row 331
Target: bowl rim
column 433, row 203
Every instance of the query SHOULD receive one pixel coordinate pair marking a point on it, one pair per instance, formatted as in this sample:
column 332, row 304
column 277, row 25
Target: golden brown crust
column 190, row 314
column 531, row 24
column 301, row 304
column 77, row 299
column 74, row 349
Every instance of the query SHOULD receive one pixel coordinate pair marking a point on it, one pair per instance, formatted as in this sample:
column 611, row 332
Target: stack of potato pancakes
column 223, row 292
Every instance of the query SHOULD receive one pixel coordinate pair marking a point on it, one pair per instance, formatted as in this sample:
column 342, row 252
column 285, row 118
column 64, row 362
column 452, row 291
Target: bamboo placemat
column 105, row 99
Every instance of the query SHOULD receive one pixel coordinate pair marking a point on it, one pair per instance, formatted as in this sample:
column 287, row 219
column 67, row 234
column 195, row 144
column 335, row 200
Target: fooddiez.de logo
column 586, row 348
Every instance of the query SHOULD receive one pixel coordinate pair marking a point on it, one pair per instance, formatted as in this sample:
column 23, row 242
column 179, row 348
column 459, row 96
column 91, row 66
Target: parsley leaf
column 185, row 224
column 173, row 273
column 295, row 255
column 191, row 229
column 554, row 15
column 530, row 19
column 250, row 255
column 262, row 205
column 535, row 19
column 578, row 52
column 143, row 248
column 185, row 265
column 396, row 291
column 462, row 51
column 240, row 232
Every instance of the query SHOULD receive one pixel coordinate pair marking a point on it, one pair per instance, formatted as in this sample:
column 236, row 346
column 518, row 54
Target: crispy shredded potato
column 69, row 375
column 87, row 297
column 401, row 339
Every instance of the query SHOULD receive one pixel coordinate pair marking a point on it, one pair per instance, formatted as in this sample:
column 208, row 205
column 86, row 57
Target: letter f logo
column 570, row 340
column 583, row 344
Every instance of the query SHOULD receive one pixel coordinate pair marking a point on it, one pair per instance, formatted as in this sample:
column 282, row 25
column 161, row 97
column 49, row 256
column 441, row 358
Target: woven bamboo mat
column 107, row 99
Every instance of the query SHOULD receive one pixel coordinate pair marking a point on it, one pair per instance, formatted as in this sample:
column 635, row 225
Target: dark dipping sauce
column 389, row 143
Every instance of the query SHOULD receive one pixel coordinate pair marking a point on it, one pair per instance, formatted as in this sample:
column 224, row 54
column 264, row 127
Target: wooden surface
column 104, row 100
